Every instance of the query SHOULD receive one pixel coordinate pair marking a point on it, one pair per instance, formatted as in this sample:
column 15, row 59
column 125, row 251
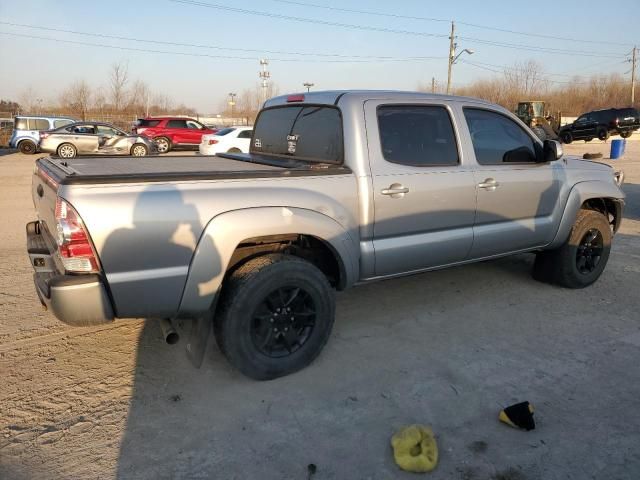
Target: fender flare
column 226, row 231
column 580, row 193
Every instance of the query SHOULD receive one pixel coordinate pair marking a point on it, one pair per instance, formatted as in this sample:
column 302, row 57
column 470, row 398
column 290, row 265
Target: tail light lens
column 43, row 135
column 212, row 141
column 74, row 244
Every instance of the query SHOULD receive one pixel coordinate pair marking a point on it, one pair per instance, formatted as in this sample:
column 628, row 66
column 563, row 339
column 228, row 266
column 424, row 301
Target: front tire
column 626, row 134
column 27, row 147
column 67, row 150
column 275, row 316
column 163, row 144
column 581, row 260
column 139, row 150
column 540, row 133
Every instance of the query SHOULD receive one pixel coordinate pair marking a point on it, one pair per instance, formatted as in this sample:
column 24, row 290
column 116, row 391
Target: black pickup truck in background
column 601, row 124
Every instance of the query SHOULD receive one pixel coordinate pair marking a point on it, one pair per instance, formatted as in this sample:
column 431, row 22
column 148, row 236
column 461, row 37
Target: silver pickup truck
column 339, row 188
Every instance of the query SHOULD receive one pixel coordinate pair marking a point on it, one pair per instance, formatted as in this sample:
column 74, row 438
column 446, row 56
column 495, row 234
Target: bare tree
column 76, row 98
column 30, row 101
column 249, row 102
column 119, row 78
column 139, row 97
column 100, row 101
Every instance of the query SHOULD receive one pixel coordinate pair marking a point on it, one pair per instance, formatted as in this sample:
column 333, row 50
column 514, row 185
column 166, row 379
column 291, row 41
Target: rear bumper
column 78, row 300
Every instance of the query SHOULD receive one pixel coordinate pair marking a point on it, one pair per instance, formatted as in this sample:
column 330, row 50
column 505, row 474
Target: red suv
column 168, row 132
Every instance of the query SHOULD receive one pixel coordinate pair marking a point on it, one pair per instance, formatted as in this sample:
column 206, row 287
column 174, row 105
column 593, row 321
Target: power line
column 568, row 75
column 431, row 19
column 308, row 20
column 390, row 30
column 217, row 47
column 474, row 64
column 205, row 55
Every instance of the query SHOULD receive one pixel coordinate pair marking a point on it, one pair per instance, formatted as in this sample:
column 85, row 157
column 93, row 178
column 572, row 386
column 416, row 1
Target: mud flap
column 197, row 340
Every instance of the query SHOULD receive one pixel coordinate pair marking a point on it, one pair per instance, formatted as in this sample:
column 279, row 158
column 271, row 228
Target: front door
column 518, row 203
column 423, row 194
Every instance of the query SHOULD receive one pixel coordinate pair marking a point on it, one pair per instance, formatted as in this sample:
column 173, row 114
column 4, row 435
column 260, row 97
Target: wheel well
column 606, row 206
column 308, row 247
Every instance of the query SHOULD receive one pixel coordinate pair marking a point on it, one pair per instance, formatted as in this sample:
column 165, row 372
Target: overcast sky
column 198, row 77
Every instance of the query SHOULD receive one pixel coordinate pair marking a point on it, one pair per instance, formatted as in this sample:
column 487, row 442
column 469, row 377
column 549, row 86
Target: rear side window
column 38, row 124
column 418, row 136
column 61, row 123
column 245, row 134
column 177, row 124
column 628, row 112
column 21, row 124
column 312, row 133
column 147, row 123
column 224, row 131
column 497, row 139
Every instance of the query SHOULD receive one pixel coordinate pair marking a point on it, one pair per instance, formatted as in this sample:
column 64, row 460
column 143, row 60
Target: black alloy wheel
column 283, row 322
column 589, row 251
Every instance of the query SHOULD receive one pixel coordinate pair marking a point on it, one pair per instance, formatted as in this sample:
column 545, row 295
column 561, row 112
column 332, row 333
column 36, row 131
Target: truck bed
column 178, row 168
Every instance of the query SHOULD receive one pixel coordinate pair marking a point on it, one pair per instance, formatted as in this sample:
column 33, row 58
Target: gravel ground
column 447, row 348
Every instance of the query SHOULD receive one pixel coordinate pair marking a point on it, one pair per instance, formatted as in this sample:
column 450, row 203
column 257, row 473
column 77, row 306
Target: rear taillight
column 134, row 130
column 74, row 244
column 212, row 142
column 43, row 135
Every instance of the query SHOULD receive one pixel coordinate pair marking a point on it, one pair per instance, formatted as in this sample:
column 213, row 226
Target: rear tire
column 234, row 150
column 603, row 134
column 163, row 144
column 540, row 133
column 626, row 134
column 581, row 260
column 67, row 150
column 275, row 316
column 139, row 150
column 566, row 137
column 27, row 147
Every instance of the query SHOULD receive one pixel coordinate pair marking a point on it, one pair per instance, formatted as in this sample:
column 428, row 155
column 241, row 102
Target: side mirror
column 552, row 150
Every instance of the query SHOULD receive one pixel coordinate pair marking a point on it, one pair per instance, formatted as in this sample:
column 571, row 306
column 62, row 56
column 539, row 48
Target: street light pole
column 308, row 85
column 452, row 53
column 232, row 103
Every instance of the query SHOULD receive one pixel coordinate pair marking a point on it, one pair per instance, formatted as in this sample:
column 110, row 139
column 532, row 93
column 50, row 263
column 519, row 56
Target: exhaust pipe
column 169, row 332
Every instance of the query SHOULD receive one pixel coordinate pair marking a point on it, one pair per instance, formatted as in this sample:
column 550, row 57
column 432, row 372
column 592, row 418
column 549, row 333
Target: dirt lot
column 446, row 348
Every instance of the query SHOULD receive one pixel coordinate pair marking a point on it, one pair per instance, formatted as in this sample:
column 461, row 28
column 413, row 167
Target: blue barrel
column 617, row 149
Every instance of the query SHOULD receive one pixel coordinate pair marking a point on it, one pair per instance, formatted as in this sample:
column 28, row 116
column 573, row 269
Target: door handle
column 489, row 184
column 395, row 190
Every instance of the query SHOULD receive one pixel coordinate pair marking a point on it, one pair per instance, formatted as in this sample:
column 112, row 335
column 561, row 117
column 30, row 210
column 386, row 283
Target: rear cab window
column 306, row 132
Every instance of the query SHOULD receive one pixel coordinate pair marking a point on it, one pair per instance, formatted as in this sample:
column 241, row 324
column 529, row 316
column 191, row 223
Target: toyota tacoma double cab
column 339, row 188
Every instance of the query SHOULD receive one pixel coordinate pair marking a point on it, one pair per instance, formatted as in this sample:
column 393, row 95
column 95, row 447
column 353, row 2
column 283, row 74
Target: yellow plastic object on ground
column 415, row 449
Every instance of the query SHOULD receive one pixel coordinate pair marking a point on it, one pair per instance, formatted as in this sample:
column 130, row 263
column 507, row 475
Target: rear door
column 423, row 192
column 177, row 128
column 243, row 141
column 518, row 200
column 85, row 138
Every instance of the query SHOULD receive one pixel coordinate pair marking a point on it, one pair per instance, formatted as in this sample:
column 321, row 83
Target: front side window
column 176, row 124
column 112, row 132
column 497, row 139
column 194, row 125
column 312, row 133
column 419, row 136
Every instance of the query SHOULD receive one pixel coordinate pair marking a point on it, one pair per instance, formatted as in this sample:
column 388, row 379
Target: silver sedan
column 91, row 138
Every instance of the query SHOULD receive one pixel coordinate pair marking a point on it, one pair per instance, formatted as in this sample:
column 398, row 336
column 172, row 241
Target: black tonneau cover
column 164, row 168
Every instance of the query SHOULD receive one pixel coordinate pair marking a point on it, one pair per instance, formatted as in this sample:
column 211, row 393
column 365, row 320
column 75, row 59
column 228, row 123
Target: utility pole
column 264, row 75
column 452, row 54
column 146, row 110
column 232, row 102
column 433, row 84
column 634, row 58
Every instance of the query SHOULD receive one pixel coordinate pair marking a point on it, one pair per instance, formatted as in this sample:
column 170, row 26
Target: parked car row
column 601, row 124
column 67, row 138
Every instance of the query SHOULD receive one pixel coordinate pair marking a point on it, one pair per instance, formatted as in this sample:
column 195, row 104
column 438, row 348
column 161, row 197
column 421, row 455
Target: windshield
column 224, row 131
column 311, row 133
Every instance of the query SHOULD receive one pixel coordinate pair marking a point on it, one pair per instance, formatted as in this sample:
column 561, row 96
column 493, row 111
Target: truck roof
column 332, row 97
